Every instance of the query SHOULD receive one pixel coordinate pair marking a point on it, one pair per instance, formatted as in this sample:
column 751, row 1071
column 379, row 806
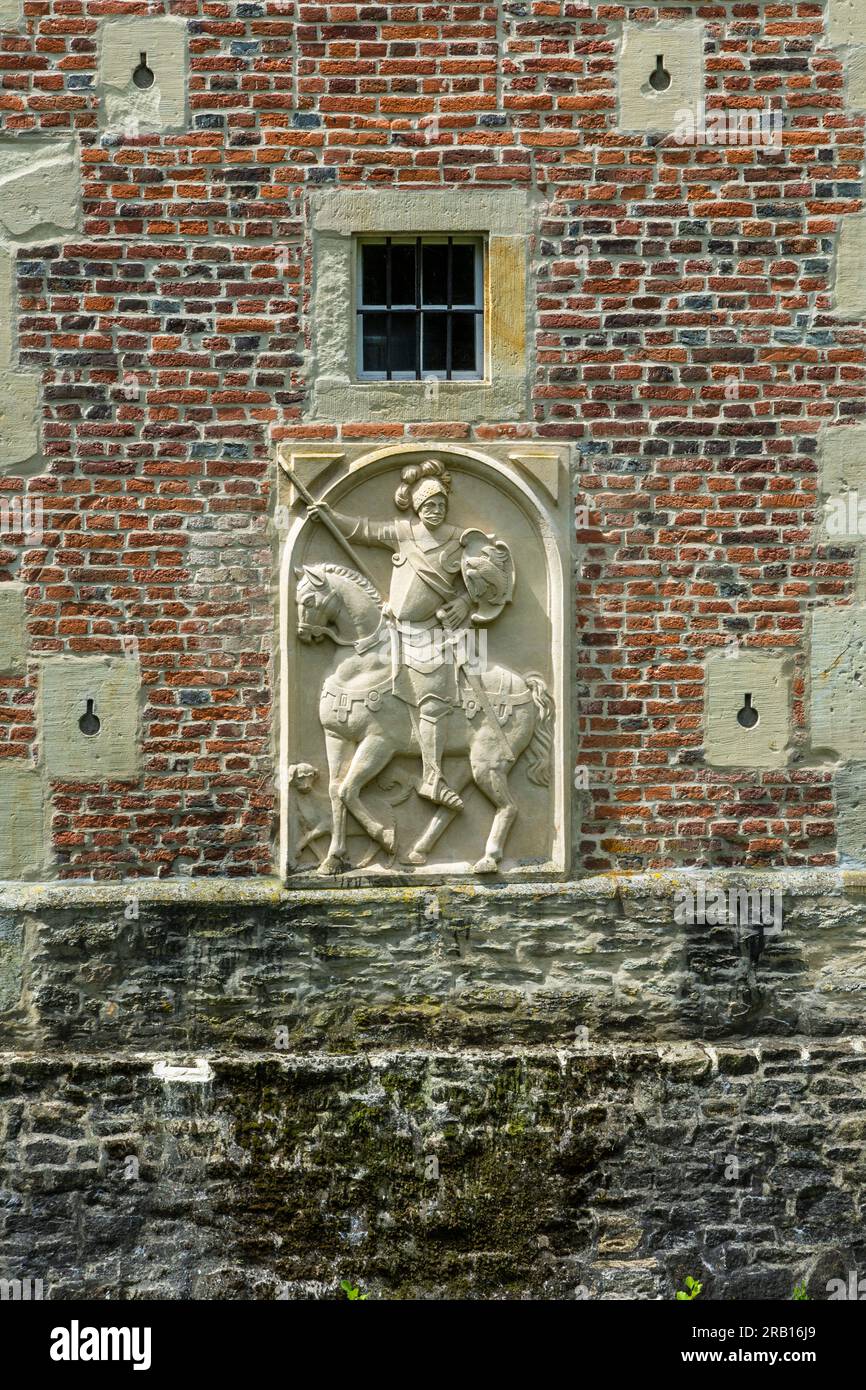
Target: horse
column 366, row 725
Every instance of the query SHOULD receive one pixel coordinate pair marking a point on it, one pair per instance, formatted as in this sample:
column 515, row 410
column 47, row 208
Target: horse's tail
column 538, row 749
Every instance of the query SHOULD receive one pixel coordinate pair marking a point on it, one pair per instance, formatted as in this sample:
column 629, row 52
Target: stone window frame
column 504, row 219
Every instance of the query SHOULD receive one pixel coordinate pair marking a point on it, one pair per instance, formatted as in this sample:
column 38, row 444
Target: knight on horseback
column 444, row 582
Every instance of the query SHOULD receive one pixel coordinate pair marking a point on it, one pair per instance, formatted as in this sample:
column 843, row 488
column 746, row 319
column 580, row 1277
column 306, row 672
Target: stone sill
column 270, row 892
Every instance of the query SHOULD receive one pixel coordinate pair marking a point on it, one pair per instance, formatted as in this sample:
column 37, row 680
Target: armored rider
column 443, row 580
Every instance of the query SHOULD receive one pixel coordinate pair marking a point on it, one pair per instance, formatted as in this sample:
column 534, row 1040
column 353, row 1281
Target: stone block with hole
column 142, row 74
column 661, row 74
column 748, row 711
column 90, row 718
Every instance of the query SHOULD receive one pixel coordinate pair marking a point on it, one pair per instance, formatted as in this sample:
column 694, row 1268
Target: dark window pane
column 403, row 273
column 435, row 328
column 436, row 274
column 373, row 259
column 374, row 355
column 463, row 275
column 463, row 343
column 404, row 355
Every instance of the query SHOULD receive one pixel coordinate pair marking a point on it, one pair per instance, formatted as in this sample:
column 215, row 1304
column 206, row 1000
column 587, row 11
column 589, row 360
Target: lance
column 328, row 521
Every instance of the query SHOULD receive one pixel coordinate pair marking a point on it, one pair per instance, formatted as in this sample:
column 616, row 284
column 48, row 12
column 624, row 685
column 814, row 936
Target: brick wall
column 684, row 344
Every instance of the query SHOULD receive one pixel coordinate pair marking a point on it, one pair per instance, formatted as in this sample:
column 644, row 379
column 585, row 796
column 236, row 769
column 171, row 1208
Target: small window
column 421, row 308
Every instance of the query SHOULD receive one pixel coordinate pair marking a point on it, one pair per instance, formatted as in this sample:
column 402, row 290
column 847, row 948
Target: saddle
column 503, row 700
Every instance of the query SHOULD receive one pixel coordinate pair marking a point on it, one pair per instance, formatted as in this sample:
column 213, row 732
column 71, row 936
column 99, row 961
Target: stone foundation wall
column 535, row 1172
column 246, row 1093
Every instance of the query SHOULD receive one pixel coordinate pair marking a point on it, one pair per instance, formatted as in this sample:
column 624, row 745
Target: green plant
column 352, row 1291
column 691, row 1290
column 800, row 1293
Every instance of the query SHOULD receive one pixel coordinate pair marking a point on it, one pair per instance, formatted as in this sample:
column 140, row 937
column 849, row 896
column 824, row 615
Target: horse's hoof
column 487, row 865
column 330, row 866
column 413, row 857
column 389, row 840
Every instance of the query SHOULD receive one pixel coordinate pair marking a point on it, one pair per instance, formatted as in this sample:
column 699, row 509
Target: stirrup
column 437, row 789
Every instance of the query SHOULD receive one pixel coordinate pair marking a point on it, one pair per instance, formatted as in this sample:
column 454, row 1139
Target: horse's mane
column 345, row 573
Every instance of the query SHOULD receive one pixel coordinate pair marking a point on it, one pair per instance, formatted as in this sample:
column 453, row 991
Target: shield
column 488, row 573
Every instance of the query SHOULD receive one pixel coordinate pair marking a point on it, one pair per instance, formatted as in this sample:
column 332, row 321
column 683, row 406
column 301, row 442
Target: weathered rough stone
column 19, row 420
column 837, row 657
column 22, row 830
column 11, row 12
column 106, row 689
column 162, row 41
column 11, row 962
column 40, row 187
column 735, row 686
column 681, row 47
column 13, row 633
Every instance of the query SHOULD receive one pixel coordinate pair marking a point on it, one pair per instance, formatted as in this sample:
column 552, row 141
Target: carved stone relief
column 424, row 704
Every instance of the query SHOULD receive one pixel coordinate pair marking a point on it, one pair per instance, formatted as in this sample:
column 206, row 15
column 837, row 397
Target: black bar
column 418, row 308
column 449, row 322
column 388, row 305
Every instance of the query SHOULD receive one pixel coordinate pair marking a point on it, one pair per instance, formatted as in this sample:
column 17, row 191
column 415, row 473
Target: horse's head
column 317, row 604
column 335, row 602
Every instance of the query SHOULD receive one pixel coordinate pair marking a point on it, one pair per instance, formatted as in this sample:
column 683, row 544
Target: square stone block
column 846, row 22
column 855, row 78
column 842, row 457
column 850, row 788
column 748, row 711
column 19, row 419
column 142, row 73
column 7, row 307
column 11, row 12
column 22, row 828
column 838, row 699
column 669, row 53
column 40, row 188
column 90, row 718
column 13, row 635
column 849, row 298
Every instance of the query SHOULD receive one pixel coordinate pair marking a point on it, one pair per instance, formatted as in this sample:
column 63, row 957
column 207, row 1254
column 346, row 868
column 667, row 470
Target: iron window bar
column 418, row 309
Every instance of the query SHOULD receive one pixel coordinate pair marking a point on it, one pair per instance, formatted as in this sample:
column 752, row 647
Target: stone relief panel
column 424, row 696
